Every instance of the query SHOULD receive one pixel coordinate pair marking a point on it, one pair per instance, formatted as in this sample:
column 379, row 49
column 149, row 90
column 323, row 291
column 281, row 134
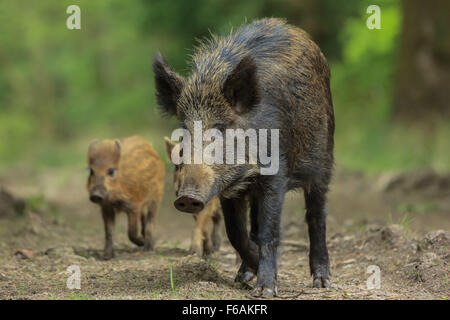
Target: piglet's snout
column 189, row 204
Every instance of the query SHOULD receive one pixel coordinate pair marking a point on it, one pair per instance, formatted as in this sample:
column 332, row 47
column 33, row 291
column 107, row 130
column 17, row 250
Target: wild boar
column 266, row 76
column 203, row 241
column 126, row 175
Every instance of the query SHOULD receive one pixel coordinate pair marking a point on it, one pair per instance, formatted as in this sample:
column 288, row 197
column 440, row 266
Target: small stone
column 439, row 236
column 394, row 235
column 349, row 261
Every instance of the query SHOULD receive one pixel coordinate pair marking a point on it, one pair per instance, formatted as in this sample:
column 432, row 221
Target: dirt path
column 385, row 221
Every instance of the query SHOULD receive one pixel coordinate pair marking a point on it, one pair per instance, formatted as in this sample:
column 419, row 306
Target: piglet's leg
column 133, row 218
column 203, row 220
column 148, row 227
column 108, row 219
column 197, row 237
column 215, row 234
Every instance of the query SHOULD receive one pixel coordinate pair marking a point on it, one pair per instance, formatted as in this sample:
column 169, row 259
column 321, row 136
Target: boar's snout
column 189, row 204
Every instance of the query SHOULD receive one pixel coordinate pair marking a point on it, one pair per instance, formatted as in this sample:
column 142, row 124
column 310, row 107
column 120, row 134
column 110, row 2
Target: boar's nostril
column 96, row 198
column 189, row 204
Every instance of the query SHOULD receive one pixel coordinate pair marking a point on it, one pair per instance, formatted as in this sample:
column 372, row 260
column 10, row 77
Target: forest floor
column 398, row 222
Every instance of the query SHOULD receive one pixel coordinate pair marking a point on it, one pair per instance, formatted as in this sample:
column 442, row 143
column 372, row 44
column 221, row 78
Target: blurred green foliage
column 60, row 88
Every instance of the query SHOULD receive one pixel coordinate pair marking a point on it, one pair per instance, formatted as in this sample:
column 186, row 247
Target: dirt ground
column 398, row 222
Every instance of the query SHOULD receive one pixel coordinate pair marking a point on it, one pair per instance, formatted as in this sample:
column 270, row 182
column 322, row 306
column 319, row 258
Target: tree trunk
column 423, row 74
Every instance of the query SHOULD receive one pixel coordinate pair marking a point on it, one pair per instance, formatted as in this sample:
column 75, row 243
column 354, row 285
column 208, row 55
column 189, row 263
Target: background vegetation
column 61, row 88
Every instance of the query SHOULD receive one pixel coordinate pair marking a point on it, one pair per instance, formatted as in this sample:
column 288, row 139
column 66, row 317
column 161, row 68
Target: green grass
column 172, row 285
column 52, row 128
column 445, row 282
column 36, row 202
column 416, row 208
column 405, row 221
column 41, row 154
column 373, row 149
column 77, row 296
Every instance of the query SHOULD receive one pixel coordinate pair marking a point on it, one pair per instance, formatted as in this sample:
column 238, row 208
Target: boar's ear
column 168, row 85
column 241, row 89
column 169, row 146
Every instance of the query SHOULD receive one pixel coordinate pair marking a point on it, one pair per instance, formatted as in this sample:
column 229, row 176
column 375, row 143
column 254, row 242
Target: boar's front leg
column 245, row 273
column 235, row 216
column 108, row 220
column 318, row 254
column 270, row 204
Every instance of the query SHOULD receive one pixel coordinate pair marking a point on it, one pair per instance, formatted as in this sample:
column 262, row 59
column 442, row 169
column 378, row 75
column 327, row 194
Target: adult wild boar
column 265, row 75
column 126, row 175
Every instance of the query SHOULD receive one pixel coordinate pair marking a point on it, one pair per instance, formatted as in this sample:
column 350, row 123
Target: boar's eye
column 91, row 172
column 111, row 172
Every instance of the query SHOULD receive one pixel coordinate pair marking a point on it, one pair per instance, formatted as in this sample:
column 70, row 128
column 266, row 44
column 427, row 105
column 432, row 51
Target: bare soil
column 396, row 221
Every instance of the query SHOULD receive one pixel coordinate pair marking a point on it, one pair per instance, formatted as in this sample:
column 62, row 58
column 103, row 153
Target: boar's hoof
column 267, row 293
column 321, row 282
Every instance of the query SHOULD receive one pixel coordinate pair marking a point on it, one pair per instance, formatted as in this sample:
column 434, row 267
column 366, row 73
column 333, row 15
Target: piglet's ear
column 92, row 146
column 241, row 88
column 168, row 85
column 91, row 150
column 173, row 150
column 169, row 146
column 118, row 146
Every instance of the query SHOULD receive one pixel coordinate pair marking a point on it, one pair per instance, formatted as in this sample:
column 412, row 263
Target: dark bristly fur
column 265, row 75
